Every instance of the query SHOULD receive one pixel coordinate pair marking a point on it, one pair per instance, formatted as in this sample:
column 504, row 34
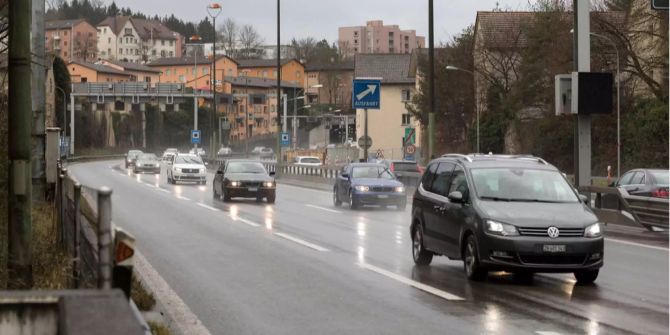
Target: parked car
column 186, row 167
column 256, row 151
column 131, row 157
column 266, row 153
column 408, row 172
column 147, row 163
column 224, row 152
column 504, row 213
column 362, row 184
column 168, row 153
column 307, row 161
column 237, row 178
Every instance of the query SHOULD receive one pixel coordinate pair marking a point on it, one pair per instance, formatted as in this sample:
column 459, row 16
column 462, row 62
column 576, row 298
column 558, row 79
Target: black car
column 131, row 157
column 147, row 163
column 244, row 179
column 362, row 184
column 504, row 213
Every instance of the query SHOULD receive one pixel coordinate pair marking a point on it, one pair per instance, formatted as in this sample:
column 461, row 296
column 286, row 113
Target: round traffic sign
column 364, row 142
column 410, row 149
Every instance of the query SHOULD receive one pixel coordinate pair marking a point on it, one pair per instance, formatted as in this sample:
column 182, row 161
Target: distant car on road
column 237, row 178
column 266, row 153
column 645, row 182
column 131, row 157
column 504, row 213
column 147, row 163
column 168, row 153
column 224, row 152
column 362, row 184
column 308, row 161
column 198, row 151
column 408, row 172
column 186, row 167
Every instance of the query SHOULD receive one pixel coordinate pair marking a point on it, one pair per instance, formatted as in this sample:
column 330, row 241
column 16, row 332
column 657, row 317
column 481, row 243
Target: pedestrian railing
column 87, row 234
column 616, row 205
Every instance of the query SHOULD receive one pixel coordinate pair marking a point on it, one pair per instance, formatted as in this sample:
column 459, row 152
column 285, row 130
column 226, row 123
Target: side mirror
column 584, row 199
column 272, row 173
column 345, row 175
column 456, row 197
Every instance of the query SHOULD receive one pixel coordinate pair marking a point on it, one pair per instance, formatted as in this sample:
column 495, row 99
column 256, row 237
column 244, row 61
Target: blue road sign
column 195, row 136
column 285, row 140
column 366, row 93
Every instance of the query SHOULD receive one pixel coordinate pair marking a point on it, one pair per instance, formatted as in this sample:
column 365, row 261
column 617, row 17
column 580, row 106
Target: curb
column 179, row 318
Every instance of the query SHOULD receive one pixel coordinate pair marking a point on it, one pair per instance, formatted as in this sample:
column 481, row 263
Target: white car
column 186, row 167
column 199, row 151
column 308, row 161
column 168, row 153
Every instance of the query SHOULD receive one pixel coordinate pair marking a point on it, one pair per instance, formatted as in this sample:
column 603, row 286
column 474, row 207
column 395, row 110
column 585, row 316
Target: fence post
column 77, row 233
column 59, row 203
column 105, row 238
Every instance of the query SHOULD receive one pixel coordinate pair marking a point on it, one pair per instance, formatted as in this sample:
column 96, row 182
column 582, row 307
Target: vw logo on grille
column 553, row 232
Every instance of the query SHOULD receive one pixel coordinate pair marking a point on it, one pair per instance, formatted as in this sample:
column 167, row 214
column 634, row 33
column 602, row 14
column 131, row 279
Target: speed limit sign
column 410, row 149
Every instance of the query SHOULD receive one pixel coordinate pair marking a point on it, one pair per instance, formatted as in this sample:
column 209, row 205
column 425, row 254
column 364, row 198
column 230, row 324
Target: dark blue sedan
column 362, row 184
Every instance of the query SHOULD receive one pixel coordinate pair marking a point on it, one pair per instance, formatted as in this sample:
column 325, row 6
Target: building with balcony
column 135, row 40
column 291, row 70
column 195, row 72
column 375, row 37
column 71, row 40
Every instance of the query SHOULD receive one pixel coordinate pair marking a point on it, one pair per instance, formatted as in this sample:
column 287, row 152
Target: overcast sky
column 321, row 18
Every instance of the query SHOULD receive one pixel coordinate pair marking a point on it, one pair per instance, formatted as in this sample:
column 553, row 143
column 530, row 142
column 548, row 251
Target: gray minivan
column 504, row 213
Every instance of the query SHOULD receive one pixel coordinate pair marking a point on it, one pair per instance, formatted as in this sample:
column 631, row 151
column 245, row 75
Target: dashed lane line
column 301, row 242
column 213, row 209
column 410, row 282
column 635, row 244
column 323, row 208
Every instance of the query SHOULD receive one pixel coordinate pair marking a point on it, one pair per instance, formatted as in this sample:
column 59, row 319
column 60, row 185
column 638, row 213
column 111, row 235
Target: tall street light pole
column 454, row 68
column 618, row 103
column 195, row 38
column 278, row 79
column 213, row 10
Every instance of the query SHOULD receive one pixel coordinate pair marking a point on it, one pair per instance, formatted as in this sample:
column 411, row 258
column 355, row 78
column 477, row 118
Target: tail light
column 392, row 167
column 660, row 193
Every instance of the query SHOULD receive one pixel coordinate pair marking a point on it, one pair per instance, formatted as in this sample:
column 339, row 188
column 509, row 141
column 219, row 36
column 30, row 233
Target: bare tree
column 229, row 36
column 250, row 42
column 304, row 48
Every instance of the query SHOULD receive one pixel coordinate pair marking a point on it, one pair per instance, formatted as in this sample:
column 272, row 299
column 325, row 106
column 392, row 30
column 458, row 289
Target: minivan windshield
column 524, row 185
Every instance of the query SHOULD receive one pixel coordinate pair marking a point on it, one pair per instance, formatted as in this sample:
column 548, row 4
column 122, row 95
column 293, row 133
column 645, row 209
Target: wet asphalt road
column 303, row 266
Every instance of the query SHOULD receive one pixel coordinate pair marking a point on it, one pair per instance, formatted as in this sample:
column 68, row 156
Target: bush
column 644, row 135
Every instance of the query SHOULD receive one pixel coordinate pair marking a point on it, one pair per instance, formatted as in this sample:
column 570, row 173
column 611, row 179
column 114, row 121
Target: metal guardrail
column 87, row 234
column 611, row 204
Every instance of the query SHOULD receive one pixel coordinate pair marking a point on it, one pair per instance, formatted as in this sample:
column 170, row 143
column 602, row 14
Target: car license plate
column 553, row 248
column 383, row 196
column 253, row 189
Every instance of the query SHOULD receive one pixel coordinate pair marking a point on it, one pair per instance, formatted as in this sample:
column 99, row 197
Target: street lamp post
column 618, row 104
column 213, row 10
column 454, row 68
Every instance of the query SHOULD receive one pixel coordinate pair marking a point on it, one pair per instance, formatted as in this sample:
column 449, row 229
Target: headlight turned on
column 362, row 188
column 235, row 183
column 268, row 184
column 400, row 189
column 499, row 228
column 593, row 230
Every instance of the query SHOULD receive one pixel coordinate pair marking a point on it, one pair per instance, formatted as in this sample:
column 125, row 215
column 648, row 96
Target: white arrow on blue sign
column 366, row 93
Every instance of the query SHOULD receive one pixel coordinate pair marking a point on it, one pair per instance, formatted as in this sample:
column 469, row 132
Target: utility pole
column 20, row 260
column 213, row 10
column 38, row 100
column 431, row 83
column 582, row 60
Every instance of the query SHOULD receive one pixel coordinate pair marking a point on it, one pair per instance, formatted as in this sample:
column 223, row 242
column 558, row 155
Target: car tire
column 586, row 277
column 336, row 200
column 471, row 265
column 271, row 198
column 226, row 196
column 353, row 203
column 420, row 255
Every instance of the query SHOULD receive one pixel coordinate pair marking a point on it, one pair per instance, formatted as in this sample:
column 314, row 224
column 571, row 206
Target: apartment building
column 375, row 37
column 71, row 40
column 195, row 72
column 139, row 72
column 291, row 70
column 82, row 72
column 135, row 40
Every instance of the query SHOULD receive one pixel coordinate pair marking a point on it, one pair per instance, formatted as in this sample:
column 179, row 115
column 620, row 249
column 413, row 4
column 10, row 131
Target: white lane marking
column 410, row 282
column 208, row 207
column 170, row 303
column 304, row 188
column 243, row 220
column 150, row 185
column 544, row 332
column 302, row 242
column 635, row 244
column 182, row 198
column 163, row 190
column 323, row 208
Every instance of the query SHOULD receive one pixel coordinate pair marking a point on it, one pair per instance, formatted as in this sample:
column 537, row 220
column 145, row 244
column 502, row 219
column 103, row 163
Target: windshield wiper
column 495, row 198
column 536, row 200
column 380, row 173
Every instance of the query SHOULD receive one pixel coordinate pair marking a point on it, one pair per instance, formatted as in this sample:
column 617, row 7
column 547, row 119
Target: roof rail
column 531, row 157
column 458, row 156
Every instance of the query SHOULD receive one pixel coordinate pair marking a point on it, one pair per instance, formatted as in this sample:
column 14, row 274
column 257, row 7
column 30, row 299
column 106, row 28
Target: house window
column 163, row 42
column 65, row 33
column 205, row 70
column 65, row 43
column 265, row 74
column 65, row 54
column 405, row 95
column 194, row 71
column 109, row 40
column 171, row 43
column 406, row 119
column 153, row 52
column 109, row 51
column 171, row 54
column 162, row 53
column 128, row 31
column 297, row 74
column 167, row 72
column 182, row 79
column 120, row 51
